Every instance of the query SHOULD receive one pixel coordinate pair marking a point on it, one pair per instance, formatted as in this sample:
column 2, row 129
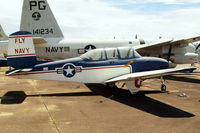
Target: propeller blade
column 169, row 52
column 198, row 46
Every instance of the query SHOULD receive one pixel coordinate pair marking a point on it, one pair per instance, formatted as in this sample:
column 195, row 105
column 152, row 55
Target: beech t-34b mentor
column 38, row 18
column 106, row 65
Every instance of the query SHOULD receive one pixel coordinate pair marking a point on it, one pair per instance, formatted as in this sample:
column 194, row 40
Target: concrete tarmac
column 38, row 106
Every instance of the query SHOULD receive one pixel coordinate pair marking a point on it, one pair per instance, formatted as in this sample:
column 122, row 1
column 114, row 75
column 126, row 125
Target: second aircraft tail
column 38, row 18
column 3, row 36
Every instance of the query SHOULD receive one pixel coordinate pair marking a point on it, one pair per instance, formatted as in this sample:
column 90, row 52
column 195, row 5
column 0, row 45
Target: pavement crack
column 43, row 102
column 50, row 116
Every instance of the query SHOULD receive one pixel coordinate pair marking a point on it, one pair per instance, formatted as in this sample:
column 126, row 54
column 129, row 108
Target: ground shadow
column 139, row 101
column 182, row 79
column 17, row 97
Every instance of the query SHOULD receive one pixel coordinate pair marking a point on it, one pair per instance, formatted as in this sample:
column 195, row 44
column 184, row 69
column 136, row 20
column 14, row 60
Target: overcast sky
column 104, row 19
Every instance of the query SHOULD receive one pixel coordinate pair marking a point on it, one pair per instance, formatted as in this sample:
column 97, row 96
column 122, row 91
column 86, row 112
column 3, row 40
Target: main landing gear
column 111, row 85
column 163, row 86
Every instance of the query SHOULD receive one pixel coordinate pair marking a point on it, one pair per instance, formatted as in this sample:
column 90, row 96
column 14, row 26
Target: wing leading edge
column 177, row 42
column 149, row 74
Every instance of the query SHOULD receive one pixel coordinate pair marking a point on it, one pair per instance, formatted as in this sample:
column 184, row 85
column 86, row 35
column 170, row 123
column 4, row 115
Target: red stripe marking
column 18, row 36
column 102, row 68
column 28, row 73
column 20, row 55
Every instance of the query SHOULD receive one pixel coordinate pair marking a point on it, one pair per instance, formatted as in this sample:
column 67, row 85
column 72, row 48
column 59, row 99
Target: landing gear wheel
column 191, row 71
column 163, row 88
column 111, row 85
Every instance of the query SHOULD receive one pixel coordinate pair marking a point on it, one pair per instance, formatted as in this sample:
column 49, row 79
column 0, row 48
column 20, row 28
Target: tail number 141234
column 42, row 31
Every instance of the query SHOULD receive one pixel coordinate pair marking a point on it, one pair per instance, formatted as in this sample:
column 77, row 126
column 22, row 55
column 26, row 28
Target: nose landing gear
column 163, row 86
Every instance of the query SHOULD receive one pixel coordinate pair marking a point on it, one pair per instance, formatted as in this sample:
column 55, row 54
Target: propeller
column 198, row 46
column 169, row 53
column 136, row 37
column 198, row 52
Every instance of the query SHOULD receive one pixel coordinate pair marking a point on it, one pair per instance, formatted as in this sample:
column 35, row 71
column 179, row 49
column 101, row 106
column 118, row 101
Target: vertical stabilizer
column 21, row 52
column 3, row 36
column 38, row 18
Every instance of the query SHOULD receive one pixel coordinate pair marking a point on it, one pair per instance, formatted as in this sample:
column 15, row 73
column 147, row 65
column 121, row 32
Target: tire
column 111, row 85
column 163, row 88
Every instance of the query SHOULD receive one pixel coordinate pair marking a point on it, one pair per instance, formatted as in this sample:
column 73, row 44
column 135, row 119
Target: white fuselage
column 94, row 74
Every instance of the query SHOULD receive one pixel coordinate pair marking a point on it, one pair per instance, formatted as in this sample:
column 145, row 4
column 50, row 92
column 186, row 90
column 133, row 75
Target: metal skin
column 108, row 65
column 50, row 44
column 85, row 71
column 3, row 62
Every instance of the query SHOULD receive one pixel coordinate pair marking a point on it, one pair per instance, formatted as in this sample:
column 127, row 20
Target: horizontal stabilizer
column 11, row 72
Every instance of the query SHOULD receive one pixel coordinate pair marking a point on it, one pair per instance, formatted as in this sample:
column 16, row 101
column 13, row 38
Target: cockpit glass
column 97, row 54
column 125, row 52
column 128, row 52
column 112, row 53
column 136, row 54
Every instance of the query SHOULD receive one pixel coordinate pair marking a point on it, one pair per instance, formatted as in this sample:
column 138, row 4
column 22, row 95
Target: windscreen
column 128, row 52
column 97, row 54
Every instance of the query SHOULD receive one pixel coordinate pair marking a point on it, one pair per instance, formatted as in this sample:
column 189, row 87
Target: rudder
column 21, row 51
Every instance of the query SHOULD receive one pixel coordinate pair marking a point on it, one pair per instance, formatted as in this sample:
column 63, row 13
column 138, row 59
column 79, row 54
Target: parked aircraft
column 105, row 65
column 44, row 25
column 38, row 18
column 3, row 62
column 3, row 36
column 197, row 50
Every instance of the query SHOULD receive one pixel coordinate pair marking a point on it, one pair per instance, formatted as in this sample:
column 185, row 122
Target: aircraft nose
column 160, row 63
column 149, row 64
column 157, row 63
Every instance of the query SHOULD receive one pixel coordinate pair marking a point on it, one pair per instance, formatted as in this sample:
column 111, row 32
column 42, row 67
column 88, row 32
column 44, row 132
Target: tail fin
column 38, row 18
column 3, row 36
column 21, row 52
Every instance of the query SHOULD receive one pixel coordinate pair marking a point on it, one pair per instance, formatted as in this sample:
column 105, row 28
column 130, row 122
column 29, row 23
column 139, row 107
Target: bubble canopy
column 110, row 53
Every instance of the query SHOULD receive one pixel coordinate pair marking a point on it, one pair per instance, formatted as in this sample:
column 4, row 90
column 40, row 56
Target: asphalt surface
column 38, row 106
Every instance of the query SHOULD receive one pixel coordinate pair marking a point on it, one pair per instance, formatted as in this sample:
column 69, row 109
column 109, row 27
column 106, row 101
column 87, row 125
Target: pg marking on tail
column 40, row 4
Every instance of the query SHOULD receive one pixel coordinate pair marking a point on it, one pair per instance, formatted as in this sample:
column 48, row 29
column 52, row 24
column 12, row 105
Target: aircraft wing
column 178, row 42
column 149, row 74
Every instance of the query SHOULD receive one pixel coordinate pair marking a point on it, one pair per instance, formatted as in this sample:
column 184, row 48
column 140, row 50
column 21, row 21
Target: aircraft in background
column 99, row 66
column 3, row 38
column 3, row 62
column 197, row 50
column 38, row 18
